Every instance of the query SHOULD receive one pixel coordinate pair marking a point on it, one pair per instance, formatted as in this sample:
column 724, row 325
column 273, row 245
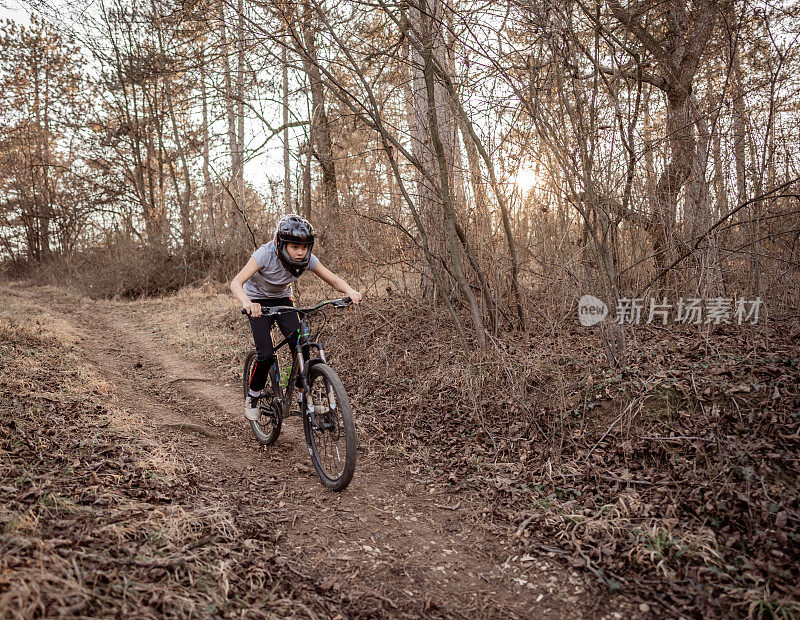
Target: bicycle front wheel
column 268, row 426
column 332, row 440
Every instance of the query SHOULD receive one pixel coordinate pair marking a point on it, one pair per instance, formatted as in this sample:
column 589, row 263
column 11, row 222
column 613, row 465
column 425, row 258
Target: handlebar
column 342, row 302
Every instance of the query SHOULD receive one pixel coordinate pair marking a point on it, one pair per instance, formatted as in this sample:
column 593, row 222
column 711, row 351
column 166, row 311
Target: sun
column 527, row 178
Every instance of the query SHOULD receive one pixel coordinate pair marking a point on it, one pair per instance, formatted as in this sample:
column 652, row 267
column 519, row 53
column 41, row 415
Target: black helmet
column 294, row 229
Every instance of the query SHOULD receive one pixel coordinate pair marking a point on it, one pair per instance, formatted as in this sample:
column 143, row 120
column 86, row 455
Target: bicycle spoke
column 327, row 435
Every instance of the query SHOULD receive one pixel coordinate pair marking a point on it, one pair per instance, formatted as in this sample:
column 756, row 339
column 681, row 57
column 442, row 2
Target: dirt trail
column 387, row 538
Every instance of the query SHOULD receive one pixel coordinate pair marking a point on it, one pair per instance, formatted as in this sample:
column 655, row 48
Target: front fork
column 307, row 403
column 299, row 369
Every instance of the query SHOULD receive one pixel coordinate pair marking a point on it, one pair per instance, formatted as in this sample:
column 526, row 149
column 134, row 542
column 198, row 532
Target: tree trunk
column 307, row 151
column 426, row 19
column 185, row 198
column 236, row 210
column 430, row 27
column 239, row 172
column 321, row 138
column 207, row 193
column 684, row 42
column 40, row 248
column 47, row 197
column 287, row 175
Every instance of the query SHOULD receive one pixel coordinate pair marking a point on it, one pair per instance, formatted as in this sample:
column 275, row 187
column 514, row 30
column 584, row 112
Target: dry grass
column 97, row 521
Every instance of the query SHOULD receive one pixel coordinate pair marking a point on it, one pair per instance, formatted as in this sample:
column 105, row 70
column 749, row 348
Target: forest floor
column 155, row 485
column 132, row 484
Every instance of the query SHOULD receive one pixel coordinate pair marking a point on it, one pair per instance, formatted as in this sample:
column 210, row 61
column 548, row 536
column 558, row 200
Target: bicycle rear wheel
column 332, row 442
column 268, row 426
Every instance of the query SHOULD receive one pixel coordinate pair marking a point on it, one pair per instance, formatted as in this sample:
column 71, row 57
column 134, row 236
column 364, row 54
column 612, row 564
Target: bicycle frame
column 302, row 360
column 301, row 364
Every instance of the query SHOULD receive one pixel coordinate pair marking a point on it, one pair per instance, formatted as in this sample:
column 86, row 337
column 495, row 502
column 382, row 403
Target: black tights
column 289, row 325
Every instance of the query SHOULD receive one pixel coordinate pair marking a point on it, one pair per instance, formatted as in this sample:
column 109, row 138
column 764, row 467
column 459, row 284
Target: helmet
column 294, row 229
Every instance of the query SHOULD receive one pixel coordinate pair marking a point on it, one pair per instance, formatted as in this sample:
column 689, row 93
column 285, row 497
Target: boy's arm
column 238, row 292
column 336, row 282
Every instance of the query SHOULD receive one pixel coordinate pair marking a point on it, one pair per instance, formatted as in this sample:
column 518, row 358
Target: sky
column 259, row 170
column 15, row 11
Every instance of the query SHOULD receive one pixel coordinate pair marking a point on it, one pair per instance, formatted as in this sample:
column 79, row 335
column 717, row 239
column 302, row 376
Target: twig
column 555, row 550
column 295, row 571
column 523, row 526
column 200, row 543
column 694, row 387
column 385, row 320
column 633, row 481
column 679, row 438
column 602, row 576
column 661, row 600
column 617, row 479
column 380, row 597
column 257, row 513
column 608, row 430
column 456, row 507
column 480, row 418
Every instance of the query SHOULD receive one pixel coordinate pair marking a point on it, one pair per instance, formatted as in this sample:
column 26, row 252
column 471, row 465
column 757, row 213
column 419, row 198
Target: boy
column 266, row 279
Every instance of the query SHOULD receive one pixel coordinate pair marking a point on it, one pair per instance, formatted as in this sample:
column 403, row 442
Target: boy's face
column 297, row 251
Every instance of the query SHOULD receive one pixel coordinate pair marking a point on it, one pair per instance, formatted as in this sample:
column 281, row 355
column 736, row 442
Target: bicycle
column 324, row 405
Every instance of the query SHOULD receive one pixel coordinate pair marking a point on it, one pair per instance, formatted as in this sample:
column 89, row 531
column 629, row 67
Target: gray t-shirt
column 272, row 280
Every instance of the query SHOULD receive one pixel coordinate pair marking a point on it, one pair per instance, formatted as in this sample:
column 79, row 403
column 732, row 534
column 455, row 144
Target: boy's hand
column 355, row 296
column 252, row 309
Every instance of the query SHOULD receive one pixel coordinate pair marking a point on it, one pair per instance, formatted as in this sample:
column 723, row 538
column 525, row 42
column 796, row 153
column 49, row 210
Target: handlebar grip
column 265, row 311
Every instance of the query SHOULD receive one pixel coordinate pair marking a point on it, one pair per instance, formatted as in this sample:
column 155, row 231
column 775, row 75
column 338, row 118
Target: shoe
column 251, row 409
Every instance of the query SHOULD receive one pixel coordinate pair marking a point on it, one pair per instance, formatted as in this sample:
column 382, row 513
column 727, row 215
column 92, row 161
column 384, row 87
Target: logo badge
column 591, row 310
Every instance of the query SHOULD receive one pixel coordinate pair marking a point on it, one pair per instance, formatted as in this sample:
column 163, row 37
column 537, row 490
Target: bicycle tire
column 268, row 427
column 335, row 424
